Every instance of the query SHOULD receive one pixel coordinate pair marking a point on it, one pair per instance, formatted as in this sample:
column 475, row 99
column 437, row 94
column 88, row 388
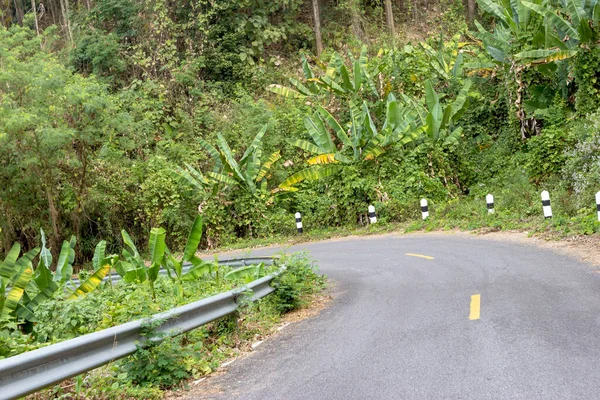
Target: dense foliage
column 128, row 114
column 164, row 365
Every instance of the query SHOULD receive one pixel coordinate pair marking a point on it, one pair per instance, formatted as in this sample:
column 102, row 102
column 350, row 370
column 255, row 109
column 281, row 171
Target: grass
column 464, row 214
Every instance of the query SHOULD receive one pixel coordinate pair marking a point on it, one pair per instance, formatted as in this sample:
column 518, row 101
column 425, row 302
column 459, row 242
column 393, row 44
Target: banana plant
column 102, row 265
column 363, row 143
column 199, row 267
column 249, row 173
column 337, row 79
column 248, row 273
column 15, row 272
column 46, row 283
column 133, row 268
column 446, row 60
column 439, row 121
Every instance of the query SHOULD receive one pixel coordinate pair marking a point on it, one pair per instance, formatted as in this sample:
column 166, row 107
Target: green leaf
column 273, row 158
column 304, row 145
column 28, row 311
column 222, row 178
column 347, row 84
column 156, row 245
column 226, row 152
column 26, row 260
column 285, row 92
column 247, row 271
column 129, row 243
column 92, row 282
column 198, row 270
column 431, row 96
column 494, row 9
column 256, row 143
column 214, row 153
column 434, row 121
column 333, row 124
column 553, row 19
column 63, row 272
column 308, row 74
column 193, row 239
column 46, row 254
column 16, row 291
column 357, row 76
column 301, row 88
column 7, row 267
column 191, row 177
column 317, row 131
column 311, row 174
column 459, row 104
column 99, row 254
column 369, row 124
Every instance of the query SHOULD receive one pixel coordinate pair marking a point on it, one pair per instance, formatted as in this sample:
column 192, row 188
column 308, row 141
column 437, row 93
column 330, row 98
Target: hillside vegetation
column 131, row 114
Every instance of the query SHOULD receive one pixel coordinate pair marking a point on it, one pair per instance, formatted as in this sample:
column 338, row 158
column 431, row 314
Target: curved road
column 399, row 326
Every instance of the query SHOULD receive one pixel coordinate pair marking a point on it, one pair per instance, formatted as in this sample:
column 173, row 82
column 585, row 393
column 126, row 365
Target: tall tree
column 471, row 9
column 317, row 15
column 35, row 17
column 389, row 16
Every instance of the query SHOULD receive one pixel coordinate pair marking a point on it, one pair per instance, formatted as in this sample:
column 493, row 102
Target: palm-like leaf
column 328, row 158
column 193, row 241
column 273, row 158
column 313, row 173
column 285, row 91
column 91, row 283
column 16, row 292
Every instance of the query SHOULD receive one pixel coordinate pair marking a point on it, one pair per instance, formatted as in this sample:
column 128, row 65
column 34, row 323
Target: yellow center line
column 475, row 306
column 419, row 255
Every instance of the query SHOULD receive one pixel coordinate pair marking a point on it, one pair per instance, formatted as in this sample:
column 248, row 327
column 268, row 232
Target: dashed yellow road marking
column 419, row 255
column 475, row 306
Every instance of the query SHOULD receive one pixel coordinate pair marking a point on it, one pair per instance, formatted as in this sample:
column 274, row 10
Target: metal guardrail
column 28, row 372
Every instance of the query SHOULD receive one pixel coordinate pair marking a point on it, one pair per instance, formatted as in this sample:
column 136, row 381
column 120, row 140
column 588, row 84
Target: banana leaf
column 16, row 292
column 313, row 173
column 91, row 283
column 193, row 240
column 285, row 92
column 7, row 267
column 273, row 158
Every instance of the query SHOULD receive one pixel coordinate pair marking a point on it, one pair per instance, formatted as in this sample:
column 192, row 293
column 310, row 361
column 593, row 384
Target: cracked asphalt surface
column 399, row 328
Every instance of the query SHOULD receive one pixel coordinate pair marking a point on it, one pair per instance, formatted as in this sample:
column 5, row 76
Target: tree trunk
column 471, row 9
column 389, row 17
column 64, row 9
column 19, row 11
column 317, row 15
column 35, row 18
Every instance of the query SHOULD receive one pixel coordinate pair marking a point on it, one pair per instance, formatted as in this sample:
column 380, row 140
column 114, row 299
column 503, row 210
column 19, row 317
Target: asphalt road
column 405, row 327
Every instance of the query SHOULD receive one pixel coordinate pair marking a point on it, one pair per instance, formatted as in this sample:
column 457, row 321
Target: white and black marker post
column 372, row 215
column 598, row 204
column 299, row 222
column 424, row 209
column 489, row 199
column 546, row 204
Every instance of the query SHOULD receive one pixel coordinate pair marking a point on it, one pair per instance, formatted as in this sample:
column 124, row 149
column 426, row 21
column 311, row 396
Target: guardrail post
column 299, row 222
column 598, row 204
column 546, row 204
column 424, row 209
column 489, row 199
column 372, row 215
